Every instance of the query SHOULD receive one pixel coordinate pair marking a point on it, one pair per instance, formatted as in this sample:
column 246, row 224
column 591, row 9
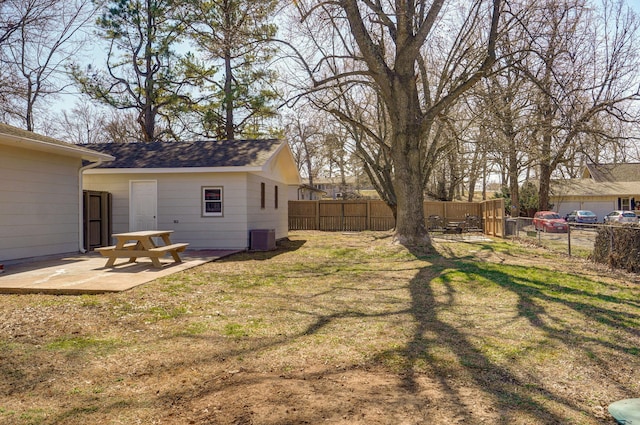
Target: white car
column 620, row 216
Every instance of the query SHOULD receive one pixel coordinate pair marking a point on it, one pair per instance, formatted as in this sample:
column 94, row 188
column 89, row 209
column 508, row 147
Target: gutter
column 81, row 204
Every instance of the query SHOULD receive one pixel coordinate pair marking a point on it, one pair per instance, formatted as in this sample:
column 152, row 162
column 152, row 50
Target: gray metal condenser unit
column 262, row 239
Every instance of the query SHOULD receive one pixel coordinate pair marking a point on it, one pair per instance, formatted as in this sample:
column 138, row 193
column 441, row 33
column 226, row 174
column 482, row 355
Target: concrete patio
column 87, row 274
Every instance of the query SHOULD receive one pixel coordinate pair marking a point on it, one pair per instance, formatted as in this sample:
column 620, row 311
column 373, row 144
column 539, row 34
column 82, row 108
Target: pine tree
column 233, row 39
column 143, row 72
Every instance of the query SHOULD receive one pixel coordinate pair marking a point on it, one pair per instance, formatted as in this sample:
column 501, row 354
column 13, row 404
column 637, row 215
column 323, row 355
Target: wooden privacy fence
column 359, row 215
column 493, row 217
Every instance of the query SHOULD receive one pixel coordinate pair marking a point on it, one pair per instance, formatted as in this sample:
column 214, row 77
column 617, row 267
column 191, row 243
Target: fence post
column 569, row 239
column 444, row 213
column 317, row 215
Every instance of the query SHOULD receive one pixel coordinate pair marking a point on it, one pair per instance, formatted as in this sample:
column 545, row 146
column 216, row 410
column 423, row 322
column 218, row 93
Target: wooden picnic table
column 133, row 245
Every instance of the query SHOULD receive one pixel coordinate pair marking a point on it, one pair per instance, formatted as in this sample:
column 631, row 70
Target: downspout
column 81, row 204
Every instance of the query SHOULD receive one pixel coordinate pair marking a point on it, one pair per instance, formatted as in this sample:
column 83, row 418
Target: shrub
column 618, row 247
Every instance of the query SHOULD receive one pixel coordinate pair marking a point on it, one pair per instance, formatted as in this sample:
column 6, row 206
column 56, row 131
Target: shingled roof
column 587, row 187
column 207, row 154
column 627, row 172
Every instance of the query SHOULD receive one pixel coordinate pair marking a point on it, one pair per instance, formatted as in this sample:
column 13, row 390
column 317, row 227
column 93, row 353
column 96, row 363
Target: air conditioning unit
column 262, row 239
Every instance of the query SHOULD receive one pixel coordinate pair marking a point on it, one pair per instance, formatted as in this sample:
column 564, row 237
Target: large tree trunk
column 410, row 227
column 478, row 162
column 545, row 184
column 546, row 166
column 148, row 122
column 148, row 118
column 407, row 160
column 408, row 187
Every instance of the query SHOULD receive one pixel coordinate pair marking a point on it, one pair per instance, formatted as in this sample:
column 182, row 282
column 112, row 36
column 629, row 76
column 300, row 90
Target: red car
column 550, row 221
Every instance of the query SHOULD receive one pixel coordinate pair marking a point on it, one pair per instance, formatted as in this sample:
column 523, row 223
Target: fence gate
column 97, row 219
column 493, row 216
column 343, row 216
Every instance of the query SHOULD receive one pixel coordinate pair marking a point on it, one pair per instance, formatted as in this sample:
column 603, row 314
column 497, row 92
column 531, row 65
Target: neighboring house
column 601, row 189
column 41, row 194
column 335, row 187
column 304, row 192
column 338, row 188
column 210, row 193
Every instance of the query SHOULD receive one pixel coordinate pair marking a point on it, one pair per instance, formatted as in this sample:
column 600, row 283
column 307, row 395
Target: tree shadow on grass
column 510, row 394
column 515, row 395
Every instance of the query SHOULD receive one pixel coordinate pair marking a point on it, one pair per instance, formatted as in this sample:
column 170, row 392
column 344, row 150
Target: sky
column 96, row 56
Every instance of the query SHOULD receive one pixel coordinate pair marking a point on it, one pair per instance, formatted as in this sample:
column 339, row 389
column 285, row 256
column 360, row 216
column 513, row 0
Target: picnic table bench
column 133, row 245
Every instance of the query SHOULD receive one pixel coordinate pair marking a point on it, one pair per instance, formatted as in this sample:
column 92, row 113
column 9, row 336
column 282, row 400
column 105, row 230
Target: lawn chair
column 435, row 223
column 473, row 223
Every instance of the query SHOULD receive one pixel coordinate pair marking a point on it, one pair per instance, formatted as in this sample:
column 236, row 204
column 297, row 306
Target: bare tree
column 505, row 105
column 83, row 124
column 392, row 48
column 584, row 64
column 13, row 15
column 40, row 39
column 609, row 140
column 457, row 159
column 365, row 119
column 305, row 139
column 122, row 127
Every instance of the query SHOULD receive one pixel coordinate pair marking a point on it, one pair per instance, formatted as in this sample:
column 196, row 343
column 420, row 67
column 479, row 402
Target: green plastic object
column 626, row 412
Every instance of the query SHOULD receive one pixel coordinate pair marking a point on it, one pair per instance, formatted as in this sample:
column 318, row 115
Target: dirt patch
column 332, row 328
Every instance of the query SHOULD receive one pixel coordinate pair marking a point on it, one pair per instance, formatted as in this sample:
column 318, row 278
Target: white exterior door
column 143, row 205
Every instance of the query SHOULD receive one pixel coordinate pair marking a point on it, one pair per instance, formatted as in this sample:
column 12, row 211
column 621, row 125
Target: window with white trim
column 212, row 201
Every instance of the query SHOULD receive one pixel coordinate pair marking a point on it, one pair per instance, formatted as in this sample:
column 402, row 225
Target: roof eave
column 67, row 150
column 230, row 169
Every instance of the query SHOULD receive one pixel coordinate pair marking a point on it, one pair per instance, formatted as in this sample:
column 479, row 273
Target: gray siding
column 269, row 217
column 39, row 205
column 180, row 206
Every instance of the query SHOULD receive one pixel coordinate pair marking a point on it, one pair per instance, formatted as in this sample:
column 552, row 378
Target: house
column 305, row 192
column 342, row 188
column 41, row 194
column 335, row 187
column 602, row 188
column 210, row 193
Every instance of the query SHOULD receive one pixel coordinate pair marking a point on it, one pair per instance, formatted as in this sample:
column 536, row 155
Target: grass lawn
column 333, row 328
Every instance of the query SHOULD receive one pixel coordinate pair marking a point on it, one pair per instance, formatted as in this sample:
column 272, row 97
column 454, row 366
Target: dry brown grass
column 332, row 328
